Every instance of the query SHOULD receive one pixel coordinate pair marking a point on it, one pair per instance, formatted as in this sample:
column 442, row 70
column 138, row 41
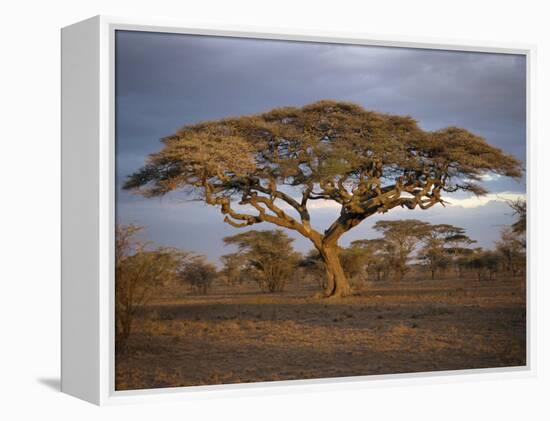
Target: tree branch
column 360, row 206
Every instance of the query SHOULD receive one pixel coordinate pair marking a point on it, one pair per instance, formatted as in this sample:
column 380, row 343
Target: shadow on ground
column 53, row 383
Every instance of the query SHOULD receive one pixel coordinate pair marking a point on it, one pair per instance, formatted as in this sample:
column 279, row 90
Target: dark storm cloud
column 165, row 81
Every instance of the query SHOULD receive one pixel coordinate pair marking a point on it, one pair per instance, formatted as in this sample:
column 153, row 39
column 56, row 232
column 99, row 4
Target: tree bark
column 337, row 284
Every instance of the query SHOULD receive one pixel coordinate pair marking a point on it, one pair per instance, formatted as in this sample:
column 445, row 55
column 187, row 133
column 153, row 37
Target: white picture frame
column 88, row 213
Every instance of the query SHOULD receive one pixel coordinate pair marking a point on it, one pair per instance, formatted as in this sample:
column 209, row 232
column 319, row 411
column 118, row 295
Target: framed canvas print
column 246, row 210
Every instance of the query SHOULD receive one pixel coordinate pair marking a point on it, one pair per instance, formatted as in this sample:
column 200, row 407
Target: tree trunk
column 337, row 284
column 399, row 273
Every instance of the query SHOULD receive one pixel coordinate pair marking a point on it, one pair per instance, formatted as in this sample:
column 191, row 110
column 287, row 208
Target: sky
column 166, row 81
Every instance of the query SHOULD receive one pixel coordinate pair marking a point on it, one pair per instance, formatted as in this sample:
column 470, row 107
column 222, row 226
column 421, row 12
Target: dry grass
column 234, row 336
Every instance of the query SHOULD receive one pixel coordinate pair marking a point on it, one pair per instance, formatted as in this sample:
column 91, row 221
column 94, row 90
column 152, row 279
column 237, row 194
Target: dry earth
column 239, row 335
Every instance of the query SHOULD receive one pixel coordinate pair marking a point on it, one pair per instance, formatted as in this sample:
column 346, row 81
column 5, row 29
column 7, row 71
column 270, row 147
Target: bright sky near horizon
column 165, row 81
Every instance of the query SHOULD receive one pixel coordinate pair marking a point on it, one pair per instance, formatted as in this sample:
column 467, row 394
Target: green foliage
column 319, row 143
column 332, row 150
column 484, row 262
column 379, row 255
column 312, row 266
column 401, row 238
column 232, row 266
column 442, row 245
column 199, row 273
column 367, row 162
column 265, row 257
column 354, row 261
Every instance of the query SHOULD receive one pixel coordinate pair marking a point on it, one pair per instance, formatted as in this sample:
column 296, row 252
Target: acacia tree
column 364, row 256
column 269, row 167
column 355, row 260
column 267, row 257
column 512, row 248
column 459, row 249
column 484, row 262
column 379, row 252
column 402, row 237
column 513, row 241
column 199, row 273
column 232, row 268
column 519, row 207
column 441, row 243
column 519, row 227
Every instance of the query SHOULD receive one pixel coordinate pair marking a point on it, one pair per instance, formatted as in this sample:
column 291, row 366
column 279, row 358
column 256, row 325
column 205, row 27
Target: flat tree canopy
column 366, row 162
column 401, row 237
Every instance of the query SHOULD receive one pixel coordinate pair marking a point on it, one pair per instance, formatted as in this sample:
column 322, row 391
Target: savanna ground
column 237, row 334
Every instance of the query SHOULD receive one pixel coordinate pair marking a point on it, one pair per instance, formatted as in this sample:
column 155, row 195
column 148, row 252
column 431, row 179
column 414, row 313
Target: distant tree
column 269, row 258
column 367, row 256
column 402, row 237
column 519, row 207
column 459, row 249
column 366, row 162
column 492, row 261
column 459, row 255
column 485, row 263
column 380, row 256
column 475, row 262
column 441, row 244
column 512, row 248
column 355, row 260
column 434, row 256
column 233, row 265
column 313, row 267
column 462, row 260
column 139, row 271
column 199, row 273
